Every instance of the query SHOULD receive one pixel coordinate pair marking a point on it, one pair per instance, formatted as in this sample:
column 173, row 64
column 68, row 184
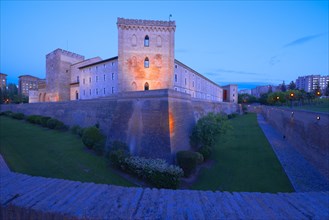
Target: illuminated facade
column 145, row 61
column 312, row 82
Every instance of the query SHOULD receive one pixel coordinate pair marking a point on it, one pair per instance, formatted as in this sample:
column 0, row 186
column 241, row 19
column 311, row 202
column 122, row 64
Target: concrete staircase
column 26, row 197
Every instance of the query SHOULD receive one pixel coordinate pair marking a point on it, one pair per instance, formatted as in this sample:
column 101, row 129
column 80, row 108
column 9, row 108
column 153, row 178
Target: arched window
column 146, row 41
column 146, row 86
column 146, row 62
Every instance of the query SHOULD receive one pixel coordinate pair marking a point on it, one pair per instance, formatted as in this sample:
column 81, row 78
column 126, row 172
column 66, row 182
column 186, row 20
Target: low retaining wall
column 306, row 131
column 155, row 124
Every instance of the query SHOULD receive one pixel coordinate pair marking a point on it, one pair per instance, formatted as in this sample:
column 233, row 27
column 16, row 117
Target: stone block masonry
column 26, row 197
column 155, row 123
column 306, row 131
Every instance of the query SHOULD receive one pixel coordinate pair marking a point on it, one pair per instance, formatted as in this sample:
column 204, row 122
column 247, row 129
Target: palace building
column 145, row 61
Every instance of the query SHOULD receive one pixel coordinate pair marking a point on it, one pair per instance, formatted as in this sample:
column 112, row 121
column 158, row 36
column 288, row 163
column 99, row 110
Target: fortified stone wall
column 153, row 123
column 305, row 131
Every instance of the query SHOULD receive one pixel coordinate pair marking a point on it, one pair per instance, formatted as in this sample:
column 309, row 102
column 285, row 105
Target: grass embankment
column 319, row 106
column 244, row 161
column 39, row 151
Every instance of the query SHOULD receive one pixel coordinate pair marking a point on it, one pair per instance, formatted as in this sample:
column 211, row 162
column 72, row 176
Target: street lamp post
column 291, row 97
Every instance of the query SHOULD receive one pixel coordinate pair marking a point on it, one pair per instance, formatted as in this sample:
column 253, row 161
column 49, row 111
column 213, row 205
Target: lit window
column 146, row 41
column 146, row 62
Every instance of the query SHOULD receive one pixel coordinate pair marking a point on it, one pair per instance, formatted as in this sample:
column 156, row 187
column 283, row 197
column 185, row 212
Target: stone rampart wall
column 304, row 131
column 154, row 123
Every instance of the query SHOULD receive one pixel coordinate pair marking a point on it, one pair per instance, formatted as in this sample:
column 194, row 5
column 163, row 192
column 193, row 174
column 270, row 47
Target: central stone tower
column 145, row 54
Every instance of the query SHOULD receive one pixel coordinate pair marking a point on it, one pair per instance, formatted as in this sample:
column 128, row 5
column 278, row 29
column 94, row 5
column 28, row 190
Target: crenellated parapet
column 154, row 25
column 66, row 53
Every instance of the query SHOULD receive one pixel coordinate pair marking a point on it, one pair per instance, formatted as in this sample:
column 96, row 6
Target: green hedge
column 188, row 160
column 92, row 136
column 54, row 124
column 7, row 113
column 206, row 152
column 34, row 119
column 18, row 116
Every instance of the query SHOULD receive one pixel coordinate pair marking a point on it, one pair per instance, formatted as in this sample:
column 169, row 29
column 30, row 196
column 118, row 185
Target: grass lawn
column 244, row 161
column 39, row 151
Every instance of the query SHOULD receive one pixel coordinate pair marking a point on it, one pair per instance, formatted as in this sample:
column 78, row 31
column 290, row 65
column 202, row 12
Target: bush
column 34, row 119
column 91, row 136
column 43, row 121
column 230, row 116
column 119, row 145
column 155, row 171
column 205, row 151
column 207, row 129
column 117, row 158
column 55, row 124
column 188, row 161
column 99, row 147
column 75, row 129
column 18, row 116
column 7, row 113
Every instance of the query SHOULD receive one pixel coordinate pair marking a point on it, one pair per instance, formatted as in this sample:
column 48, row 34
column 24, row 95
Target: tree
column 292, row 85
column 326, row 93
column 283, row 87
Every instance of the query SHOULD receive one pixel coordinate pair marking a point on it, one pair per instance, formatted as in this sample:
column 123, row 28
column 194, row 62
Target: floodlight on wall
column 318, row 118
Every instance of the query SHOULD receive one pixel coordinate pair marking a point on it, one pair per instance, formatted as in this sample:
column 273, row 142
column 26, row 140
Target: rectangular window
column 175, row 77
column 112, row 90
column 185, row 81
column 84, row 81
column 96, row 91
column 77, row 78
column 84, row 92
column 96, row 78
column 193, row 83
column 175, row 66
column 104, row 65
column 89, row 91
column 112, row 63
column 89, row 79
column 112, row 76
column 104, row 91
column 104, row 77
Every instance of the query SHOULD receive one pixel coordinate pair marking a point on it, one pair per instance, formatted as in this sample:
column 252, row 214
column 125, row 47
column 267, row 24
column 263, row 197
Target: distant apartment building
column 28, row 83
column 245, row 91
column 312, row 82
column 259, row 90
column 3, row 80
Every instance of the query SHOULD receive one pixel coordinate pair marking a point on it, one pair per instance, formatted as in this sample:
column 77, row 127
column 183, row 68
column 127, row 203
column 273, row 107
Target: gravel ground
column 303, row 176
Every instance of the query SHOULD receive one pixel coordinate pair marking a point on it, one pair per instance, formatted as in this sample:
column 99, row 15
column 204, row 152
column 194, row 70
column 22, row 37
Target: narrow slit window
column 146, row 62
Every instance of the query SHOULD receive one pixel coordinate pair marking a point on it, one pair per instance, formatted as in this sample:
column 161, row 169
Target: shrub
column 188, row 161
column 119, row 145
column 207, row 129
column 75, row 129
column 205, row 151
column 91, row 136
column 230, row 116
column 34, row 119
column 55, row 124
column 43, row 121
column 19, row 116
column 155, row 171
column 117, row 158
column 99, row 147
column 7, row 113
column 80, row 132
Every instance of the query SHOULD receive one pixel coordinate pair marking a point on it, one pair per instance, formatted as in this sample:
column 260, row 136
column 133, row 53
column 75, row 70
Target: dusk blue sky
column 247, row 43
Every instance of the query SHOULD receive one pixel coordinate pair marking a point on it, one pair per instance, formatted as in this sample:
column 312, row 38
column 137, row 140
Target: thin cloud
column 274, row 60
column 303, row 40
column 238, row 72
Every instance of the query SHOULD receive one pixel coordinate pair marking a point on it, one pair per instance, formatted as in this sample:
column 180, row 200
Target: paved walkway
column 303, row 176
column 26, row 197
